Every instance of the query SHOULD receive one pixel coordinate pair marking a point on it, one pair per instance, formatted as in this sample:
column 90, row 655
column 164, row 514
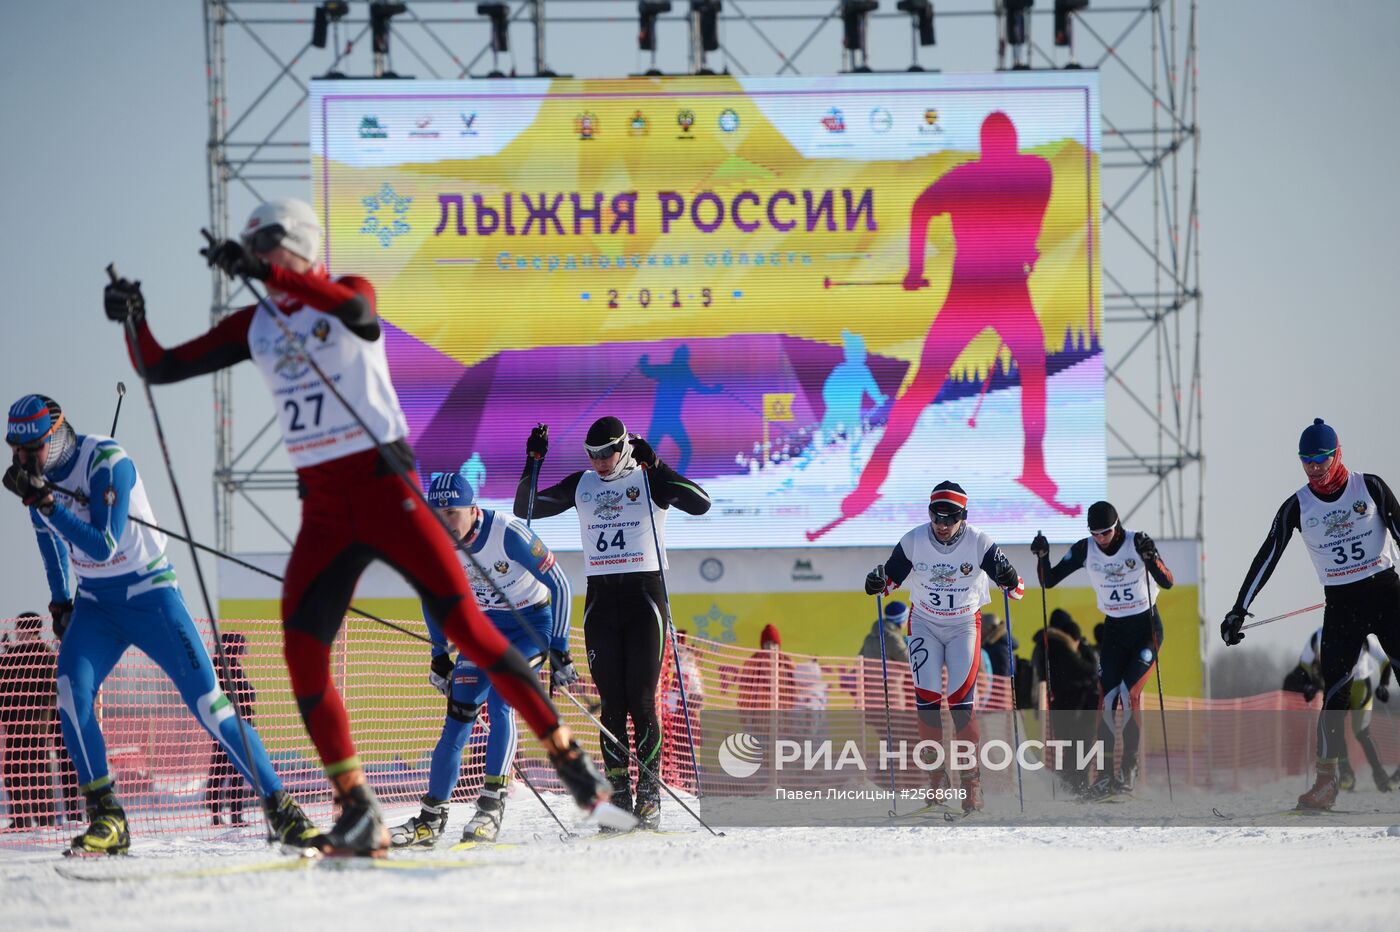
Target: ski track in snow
column 774, row 878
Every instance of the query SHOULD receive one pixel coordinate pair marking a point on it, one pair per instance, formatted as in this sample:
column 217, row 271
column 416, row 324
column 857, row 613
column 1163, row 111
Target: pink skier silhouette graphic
column 996, row 204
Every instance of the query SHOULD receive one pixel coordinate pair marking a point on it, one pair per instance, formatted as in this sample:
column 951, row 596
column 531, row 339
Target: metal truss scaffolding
column 261, row 58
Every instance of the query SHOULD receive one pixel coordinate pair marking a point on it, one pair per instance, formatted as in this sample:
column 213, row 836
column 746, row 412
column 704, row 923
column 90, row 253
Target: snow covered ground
column 1316, row 877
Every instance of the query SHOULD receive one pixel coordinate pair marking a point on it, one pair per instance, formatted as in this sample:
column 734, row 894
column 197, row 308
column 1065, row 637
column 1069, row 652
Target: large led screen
column 816, row 297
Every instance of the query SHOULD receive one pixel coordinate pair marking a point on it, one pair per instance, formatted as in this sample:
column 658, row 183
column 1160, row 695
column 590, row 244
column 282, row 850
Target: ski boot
column 621, row 783
column 971, row 783
column 1127, row 780
column 1382, row 779
column 1346, row 777
column 360, row 830
column 287, row 821
column 423, row 829
column 1324, row 790
column 648, row 807
column 1101, row 788
column 107, row 831
column 490, row 809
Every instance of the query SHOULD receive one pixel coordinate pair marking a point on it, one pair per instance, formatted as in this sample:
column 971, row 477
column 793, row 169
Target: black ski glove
column 1230, row 628
column 236, row 260
column 123, row 301
column 537, row 446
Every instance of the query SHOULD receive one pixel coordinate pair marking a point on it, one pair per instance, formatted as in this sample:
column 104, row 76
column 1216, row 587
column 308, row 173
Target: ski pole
column 1045, row 655
column 885, row 685
column 121, row 393
column 1296, row 611
column 568, row 835
column 1157, row 657
column 1015, row 712
column 671, row 632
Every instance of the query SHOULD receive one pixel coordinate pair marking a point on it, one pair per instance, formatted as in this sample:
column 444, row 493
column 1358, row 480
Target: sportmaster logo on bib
column 609, row 505
column 1336, row 523
column 633, row 493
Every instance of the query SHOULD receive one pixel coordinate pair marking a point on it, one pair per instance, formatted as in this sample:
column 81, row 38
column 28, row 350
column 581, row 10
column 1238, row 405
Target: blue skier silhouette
column 846, row 387
column 474, row 471
column 673, row 380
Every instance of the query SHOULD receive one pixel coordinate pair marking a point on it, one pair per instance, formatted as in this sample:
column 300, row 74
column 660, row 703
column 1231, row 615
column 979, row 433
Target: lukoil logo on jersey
column 741, row 755
column 1336, row 523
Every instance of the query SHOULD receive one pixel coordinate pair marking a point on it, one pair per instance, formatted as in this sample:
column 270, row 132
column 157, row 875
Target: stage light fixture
column 332, row 11
column 855, row 15
column 499, row 14
column 920, row 27
column 704, row 24
column 380, row 14
column 1015, row 32
column 1064, row 26
column 921, row 16
column 647, row 12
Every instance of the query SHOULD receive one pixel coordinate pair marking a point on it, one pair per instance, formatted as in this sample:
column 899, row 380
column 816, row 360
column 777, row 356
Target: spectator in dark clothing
column 896, row 648
column 994, row 641
column 994, row 635
column 29, row 716
column 1073, row 687
column 225, row 787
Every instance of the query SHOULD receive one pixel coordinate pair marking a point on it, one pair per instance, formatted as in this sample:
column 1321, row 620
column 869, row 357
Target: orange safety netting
column 168, row 778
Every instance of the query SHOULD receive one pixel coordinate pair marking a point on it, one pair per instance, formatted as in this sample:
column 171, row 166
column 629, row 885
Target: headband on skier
column 33, row 420
column 947, row 503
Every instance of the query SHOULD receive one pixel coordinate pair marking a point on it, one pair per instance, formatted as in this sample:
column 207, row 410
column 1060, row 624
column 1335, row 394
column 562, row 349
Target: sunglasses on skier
column 1104, row 533
column 265, row 239
column 947, row 517
column 1322, row 457
column 606, row 450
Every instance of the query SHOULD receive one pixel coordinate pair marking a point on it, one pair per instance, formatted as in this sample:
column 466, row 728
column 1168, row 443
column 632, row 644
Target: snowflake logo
column 715, row 618
column 394, row 206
